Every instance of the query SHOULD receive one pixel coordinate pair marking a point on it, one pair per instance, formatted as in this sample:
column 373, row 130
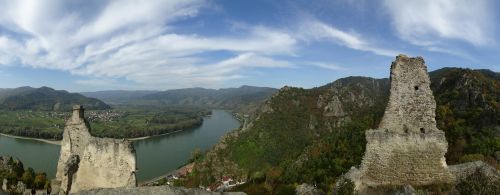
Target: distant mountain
column 45, row 98
column 315, row 135
column 243, row 98
column 118, row 96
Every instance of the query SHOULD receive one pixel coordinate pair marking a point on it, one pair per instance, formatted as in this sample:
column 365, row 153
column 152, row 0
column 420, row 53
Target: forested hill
column 45, row 98
column 243, row 98
column 315, row 135
column 118, row 96
column 468, row 110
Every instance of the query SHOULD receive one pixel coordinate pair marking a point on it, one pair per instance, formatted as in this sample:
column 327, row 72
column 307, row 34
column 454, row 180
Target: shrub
column 478, row 183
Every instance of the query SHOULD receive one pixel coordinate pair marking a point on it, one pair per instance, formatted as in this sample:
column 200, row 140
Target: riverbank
column 58, row 142
column 55, row 142
column 170, row 176
column 151, row 136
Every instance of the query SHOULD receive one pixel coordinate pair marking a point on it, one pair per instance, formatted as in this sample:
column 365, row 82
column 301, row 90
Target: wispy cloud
column 328, row 66
column 427, row 22
column 312, row 29
column 155, row 43
column 451, row 51
column 132, row 40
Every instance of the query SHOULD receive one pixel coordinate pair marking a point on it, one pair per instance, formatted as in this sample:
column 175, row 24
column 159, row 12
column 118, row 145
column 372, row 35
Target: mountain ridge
column 45, row 98
column 234, row 98
column 243, row 99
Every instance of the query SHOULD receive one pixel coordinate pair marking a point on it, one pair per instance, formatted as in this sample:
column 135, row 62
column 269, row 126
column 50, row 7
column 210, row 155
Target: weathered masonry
column 407, row 148
column 88, row 162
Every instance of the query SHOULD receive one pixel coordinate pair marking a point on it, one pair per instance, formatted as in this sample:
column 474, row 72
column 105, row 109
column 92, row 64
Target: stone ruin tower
column 88, row 162
column 407, row 148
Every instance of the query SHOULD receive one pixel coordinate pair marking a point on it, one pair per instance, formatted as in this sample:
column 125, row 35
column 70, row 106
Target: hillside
column 244, row 98
column 315, row 135
column 468, row 110
column 45, row 98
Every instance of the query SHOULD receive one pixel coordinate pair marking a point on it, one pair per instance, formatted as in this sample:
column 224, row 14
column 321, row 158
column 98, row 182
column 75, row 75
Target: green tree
column 195, row 155
column 28, row 177
column 40, row 181
column 17, row 166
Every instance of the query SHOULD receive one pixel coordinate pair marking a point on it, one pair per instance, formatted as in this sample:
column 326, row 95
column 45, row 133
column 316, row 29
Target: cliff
column 88, row 162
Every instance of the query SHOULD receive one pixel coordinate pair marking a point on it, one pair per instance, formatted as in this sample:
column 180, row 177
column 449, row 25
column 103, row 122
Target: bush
column 28, row 177
column 195, row 155
column 258, row 177
column 478, row 183
column 284, row 190
column 40, row 181
column 471, row 158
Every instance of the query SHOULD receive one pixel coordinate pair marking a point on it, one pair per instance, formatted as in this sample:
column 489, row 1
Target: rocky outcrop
column 407, row 148
column 154, row 190
column 465, row 170
column 306, row 189
column 345, row 98
column 88, row 162
column 476, row 178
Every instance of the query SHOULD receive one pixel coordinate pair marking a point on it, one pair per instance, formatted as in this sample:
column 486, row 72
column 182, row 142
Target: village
column 104, row 115
column 225, row 183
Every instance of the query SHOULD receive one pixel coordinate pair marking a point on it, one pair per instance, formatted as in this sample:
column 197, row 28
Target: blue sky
column 92, row 45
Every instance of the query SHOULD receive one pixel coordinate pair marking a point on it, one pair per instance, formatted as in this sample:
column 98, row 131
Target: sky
column 93, row 45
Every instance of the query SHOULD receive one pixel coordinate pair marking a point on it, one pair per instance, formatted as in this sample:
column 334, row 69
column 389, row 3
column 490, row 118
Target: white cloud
column 427, row 22
column 312, row 29
column 107, row 41
column 454, row 52
column 132, row 39
column 328, row 66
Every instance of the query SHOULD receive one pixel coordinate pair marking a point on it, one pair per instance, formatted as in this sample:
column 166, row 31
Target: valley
column 130, row 114
column 323, row 128
column 117, row 123
column 156, row 155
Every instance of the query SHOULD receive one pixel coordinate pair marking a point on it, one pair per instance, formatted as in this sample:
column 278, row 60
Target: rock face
column 88, row 162
column 464, row 170
column 407, row 148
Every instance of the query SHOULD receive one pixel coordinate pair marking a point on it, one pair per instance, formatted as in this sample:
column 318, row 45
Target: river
column 155, row 156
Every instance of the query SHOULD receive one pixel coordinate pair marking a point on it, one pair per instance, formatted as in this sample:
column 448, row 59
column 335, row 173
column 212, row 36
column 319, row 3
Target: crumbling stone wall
column 88, row 162
column 407, row 148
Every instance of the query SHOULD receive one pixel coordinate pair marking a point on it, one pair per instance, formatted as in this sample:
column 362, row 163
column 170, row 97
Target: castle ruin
column 88, row 162
column 407, row 148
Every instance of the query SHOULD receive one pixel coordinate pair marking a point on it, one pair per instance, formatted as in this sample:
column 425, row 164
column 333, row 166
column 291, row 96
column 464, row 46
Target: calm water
column 35, row 154
column 155, row 156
